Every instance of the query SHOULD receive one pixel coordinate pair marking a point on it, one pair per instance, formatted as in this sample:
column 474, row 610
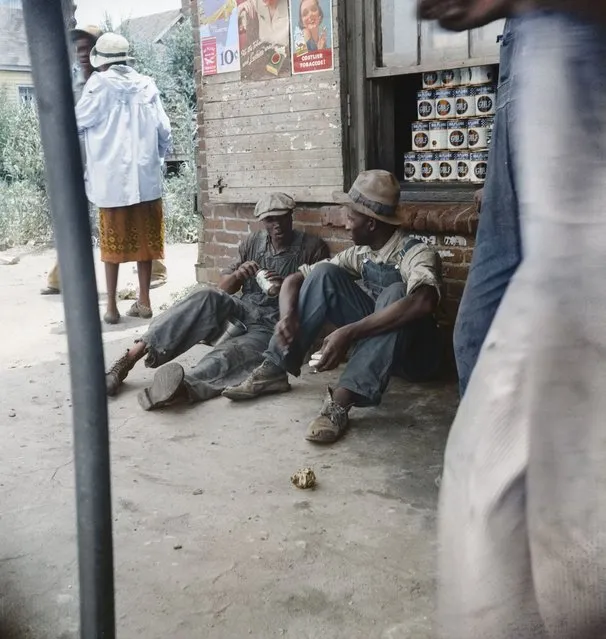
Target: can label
column 425, row 104
column 486, row 101
column 429, row 166
column 411, row 166
column 445, row 104
column 431, row 80
column 451, row 77
column 479, row 166
column 421, row 140
column 465, row 102
column 447, row 166
column 438, row 136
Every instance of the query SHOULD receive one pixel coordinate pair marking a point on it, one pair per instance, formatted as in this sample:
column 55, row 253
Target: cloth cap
column 274, row 204
column 374, row 194
column 109, row 49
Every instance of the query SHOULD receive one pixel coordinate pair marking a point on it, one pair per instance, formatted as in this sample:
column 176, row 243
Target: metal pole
column 69, row 206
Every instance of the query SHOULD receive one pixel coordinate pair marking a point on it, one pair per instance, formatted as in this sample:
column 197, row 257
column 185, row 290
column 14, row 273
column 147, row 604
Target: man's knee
column 391, row 294
column 325, row 272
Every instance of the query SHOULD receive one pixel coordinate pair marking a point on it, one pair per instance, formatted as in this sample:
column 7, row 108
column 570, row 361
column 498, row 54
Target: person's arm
column 420, row 268
column 89, row 107
column 421, row 303
column 233, row 278
column 165, row 137
column 288, row 326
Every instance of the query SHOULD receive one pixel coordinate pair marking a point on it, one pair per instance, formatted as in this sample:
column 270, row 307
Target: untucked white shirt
column 126, row 135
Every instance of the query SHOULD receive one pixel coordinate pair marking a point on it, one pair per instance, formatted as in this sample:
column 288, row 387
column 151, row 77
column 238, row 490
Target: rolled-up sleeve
column 420, row 266
column 90, row 106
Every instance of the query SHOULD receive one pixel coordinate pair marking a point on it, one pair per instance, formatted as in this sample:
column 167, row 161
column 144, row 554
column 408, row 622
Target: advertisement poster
column 219, row 37
column 264, row 27
column 312, row 36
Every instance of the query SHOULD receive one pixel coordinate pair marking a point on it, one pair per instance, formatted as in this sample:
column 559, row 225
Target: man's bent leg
column 329, row 294
column 199, row 317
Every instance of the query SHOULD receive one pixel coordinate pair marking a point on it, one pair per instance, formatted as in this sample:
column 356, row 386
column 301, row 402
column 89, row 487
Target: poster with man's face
column 264, row 28
column 312, row 36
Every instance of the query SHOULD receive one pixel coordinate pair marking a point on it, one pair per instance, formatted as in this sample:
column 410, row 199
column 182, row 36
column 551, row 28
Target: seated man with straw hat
column 389, row 327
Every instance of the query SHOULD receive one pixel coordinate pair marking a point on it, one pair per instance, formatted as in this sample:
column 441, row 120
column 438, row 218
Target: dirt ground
column 211, row 539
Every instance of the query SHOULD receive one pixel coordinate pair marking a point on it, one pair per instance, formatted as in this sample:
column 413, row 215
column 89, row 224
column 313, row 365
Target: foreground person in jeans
column 391, row 327
column 522, row 516
column 498, row 249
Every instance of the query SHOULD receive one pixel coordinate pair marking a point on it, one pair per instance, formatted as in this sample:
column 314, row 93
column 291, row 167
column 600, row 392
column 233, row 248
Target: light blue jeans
column 498, row 250
column 522, row 519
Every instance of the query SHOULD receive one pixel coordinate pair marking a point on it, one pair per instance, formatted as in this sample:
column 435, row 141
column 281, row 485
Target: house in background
column 153, row 28
column 16, row 82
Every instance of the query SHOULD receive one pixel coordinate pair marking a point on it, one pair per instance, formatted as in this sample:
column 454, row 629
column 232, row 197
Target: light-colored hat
column 374, row 194
column 110, row 48
column 86, row 31
column 274, row 204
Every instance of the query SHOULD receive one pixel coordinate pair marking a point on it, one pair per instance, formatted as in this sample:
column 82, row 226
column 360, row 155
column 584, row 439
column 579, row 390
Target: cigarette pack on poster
column 275, row 63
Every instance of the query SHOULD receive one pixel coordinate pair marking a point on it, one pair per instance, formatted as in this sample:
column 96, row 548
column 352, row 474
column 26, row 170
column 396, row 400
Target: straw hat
column 89, row 31
column 374, row 194
column 110, row 48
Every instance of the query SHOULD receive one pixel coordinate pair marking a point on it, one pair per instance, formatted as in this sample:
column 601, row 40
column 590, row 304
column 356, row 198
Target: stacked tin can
column 450, row 140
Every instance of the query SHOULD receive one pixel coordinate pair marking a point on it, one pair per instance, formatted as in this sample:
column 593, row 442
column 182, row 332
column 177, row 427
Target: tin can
column 444, row 104
column 447, row 167
column 412, row 167
column 486, row 100
column 420, row 136
column 476, row 76
column 451, row 78
column 465, row 102
column 438, row 135
column 432, row 80
column 478, row 165
column 426, row 104
column 462, row 160
column 429, row 167
column 457, row 135
column 271, row 287
column 232, row 328
column 479, row 133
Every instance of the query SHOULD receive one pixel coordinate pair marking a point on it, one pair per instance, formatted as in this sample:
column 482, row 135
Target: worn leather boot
column 266, row 379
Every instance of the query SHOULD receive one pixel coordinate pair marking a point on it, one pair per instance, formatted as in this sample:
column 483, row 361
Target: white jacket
column 127, row 135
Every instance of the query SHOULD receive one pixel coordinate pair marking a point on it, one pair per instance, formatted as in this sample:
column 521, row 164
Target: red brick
column 309, row 217
column 236, row 226
column 211, row 248
column 224, row 262
column 213, row 224
column 232, row 239
column 455, row 272
column 420, row 221
column 455, row 255
column 454, row 290
column 333, row 216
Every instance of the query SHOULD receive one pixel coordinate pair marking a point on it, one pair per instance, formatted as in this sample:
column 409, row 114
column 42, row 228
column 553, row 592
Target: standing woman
column 127, row 135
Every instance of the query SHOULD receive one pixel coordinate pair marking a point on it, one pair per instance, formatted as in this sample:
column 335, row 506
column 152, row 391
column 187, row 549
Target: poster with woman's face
column 312, row 35
column 264, row 29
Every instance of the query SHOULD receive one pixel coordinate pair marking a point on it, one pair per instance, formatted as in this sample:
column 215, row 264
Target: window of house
column 432, row 97
column 27, row 95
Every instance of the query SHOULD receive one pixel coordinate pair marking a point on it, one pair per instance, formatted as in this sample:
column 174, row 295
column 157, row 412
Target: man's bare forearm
column 421, row 303
column 289, row 294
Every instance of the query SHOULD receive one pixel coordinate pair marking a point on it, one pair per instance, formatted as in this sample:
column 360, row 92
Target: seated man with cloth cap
column 204, row 315
column 390, row 324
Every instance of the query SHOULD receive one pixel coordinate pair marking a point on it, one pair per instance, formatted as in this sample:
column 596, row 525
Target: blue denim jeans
column 330, row 294
column 498, row 249
column 522, row 519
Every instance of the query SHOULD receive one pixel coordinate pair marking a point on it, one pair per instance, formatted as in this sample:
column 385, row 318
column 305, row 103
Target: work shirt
column 418, row 264
column 126, row 134
column 257, row 247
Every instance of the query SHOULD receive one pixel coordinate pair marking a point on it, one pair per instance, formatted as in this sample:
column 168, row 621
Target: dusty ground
column 352, row 559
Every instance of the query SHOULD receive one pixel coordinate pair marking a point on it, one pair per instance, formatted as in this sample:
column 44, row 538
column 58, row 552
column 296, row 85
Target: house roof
column 152, row 28
column 13, row 42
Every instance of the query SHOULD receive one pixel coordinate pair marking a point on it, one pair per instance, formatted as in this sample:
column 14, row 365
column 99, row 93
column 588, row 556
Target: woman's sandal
column 138, row 310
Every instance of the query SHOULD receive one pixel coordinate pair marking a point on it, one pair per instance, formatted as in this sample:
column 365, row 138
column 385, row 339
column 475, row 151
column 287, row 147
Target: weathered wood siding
column 280, row 134
column 10, row 81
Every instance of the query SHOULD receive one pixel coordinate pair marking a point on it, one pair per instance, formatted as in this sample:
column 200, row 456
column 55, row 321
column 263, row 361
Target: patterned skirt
column 132, row 233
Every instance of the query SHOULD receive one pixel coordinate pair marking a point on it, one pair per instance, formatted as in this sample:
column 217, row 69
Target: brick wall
column 450, row 229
